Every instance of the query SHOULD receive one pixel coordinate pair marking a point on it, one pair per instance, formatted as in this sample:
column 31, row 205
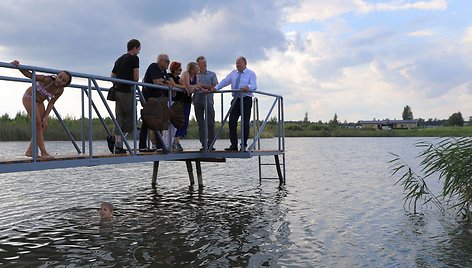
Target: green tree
column 455, row 119
column 407, row 113
column 334, row 121
column 305, row 119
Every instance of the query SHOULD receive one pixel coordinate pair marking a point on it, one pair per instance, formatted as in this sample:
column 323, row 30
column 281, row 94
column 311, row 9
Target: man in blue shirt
column 245, row 81
column 207, row 80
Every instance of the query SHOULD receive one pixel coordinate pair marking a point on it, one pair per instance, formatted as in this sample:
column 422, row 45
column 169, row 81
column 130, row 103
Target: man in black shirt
column 126, row 67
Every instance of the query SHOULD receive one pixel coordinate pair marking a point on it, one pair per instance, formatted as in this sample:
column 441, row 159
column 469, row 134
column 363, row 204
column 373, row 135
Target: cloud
column 350, row 65
column 320, row 10
column 88, row 35
column 467, row 38
column 370, row 74
column 421, row 33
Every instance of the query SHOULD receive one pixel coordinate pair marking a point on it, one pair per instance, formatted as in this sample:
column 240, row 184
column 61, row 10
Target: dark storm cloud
column 87, row 36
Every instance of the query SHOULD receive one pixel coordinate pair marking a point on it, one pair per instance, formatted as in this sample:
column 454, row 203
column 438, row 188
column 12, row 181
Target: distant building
column 389, row 124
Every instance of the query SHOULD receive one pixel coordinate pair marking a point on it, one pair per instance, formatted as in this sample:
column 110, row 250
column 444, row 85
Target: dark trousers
column 199, row 109
column 143, row 132
column 233, row 120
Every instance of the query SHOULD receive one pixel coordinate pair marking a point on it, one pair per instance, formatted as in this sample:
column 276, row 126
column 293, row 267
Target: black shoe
column 231, row 148
column 111, row 143
column 211, row 149
column 146, row 150
column 119, row 151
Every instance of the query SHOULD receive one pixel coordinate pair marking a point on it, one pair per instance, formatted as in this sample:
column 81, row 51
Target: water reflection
column 185, row 227
column 338, row 209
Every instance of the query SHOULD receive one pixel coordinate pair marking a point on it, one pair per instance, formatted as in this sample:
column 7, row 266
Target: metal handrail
column 92, row 85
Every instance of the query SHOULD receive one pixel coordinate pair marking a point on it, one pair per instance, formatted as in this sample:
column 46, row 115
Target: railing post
column 283, row 126
column 279, row 131
column 82, row 132
column 90, row 118
column 135, row 129
column 33, row 117
column 205, row 144
column 257, row 120
column 241, row 107
column 222, row 113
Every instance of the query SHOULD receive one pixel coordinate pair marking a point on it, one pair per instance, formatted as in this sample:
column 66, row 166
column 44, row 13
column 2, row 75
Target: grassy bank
column 19, row 129
column 326, row 130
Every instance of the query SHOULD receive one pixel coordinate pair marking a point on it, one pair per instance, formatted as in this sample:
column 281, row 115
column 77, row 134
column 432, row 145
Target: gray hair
column 161, row 57
column 242, row 58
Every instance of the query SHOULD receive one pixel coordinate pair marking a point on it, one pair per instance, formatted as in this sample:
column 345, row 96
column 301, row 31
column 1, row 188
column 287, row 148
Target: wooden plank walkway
column 216, row 156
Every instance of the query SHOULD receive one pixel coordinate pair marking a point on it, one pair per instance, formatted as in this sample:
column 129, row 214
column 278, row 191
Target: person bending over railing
column 47, row 88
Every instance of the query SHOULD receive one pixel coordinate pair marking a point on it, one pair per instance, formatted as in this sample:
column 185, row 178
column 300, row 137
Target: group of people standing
column 197, row 84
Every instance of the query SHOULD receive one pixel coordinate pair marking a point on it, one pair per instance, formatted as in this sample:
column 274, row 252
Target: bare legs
column 40, row 110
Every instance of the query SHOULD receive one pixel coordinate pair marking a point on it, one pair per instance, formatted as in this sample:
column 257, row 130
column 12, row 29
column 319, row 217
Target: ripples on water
column 339, row 209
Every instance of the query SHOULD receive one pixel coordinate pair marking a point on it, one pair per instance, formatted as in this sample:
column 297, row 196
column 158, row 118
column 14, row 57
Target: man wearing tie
column 244, row 80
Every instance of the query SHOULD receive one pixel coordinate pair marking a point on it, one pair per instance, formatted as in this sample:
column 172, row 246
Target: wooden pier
column 92, row 93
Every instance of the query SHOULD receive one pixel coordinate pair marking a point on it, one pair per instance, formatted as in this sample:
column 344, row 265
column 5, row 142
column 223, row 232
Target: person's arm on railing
column 226, row 81
column 27, row 73
column 252, row 85
column 186, row 81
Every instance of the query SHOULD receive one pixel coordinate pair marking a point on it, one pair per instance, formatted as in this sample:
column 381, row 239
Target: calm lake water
column 338, row 209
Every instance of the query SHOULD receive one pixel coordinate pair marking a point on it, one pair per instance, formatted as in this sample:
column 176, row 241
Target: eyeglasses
column 166, row 60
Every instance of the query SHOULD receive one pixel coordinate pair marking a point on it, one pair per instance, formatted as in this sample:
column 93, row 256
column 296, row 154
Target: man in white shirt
column 245, row 81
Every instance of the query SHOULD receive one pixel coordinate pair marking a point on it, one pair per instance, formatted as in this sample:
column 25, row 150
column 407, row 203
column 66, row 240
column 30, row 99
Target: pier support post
column 190, row 172
column 279, row 171
column 155, row 169
column 199, row 173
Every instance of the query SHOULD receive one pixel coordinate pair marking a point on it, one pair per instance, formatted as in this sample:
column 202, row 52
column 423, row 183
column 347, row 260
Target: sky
column 359, row 59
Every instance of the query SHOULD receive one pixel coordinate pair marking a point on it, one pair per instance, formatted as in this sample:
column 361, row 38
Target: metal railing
column 90, row 84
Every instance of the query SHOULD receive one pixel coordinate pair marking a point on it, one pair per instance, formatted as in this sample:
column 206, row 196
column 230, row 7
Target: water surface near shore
column 338, row 209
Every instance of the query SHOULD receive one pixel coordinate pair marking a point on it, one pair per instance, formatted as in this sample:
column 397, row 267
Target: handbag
column 177, row 115
column 111, row 96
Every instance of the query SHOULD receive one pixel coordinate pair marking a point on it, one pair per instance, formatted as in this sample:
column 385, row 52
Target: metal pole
column 66, row 130
column 283, row 123
column 135, row 129
column 279, row 131
column 206, row 123
column 199, row 173
column 33, row 117
column 241, row 106
column 223, row 123
column 262, row 126
column 169, row 132
column 222, row 113
column 155, row 169
column 258, row 118
column 90, row 119
column 111, row 115
column 190, row 171
column 97, row 112
column 82, row 132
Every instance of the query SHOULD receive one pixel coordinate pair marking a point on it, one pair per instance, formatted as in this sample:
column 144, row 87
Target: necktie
column 236, row 84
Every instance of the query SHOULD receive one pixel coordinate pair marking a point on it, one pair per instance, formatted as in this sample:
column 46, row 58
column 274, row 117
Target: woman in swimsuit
column 48, row 88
